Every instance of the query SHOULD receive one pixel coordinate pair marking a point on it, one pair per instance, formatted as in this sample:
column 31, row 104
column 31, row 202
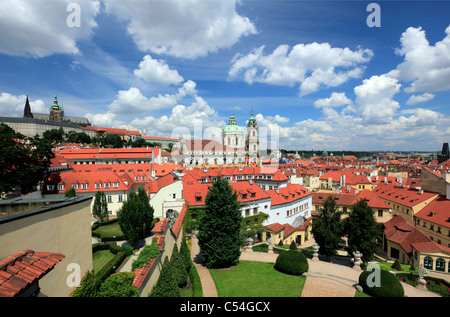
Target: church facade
column 240, row 145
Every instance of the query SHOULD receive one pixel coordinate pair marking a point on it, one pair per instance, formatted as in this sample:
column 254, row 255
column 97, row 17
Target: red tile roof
column 288, row 194
column 341, row 199
column 402, row 195
column 287, row 228
column 437, row 211
column 153, row 186
column 18, row 271
column 177, row 226
column 402, row 232
column 195, row 193
column 141, row 274
column 372, row 199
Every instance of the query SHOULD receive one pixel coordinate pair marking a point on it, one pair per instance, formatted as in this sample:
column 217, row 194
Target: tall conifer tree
column 219, row 229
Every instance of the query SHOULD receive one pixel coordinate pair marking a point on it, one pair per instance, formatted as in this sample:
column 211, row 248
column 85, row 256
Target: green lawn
column 388, row 266
column 110, row 230
column 256, row 279
column 100, row 258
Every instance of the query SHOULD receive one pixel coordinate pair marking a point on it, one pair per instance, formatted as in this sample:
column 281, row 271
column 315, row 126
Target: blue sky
column 314, row 72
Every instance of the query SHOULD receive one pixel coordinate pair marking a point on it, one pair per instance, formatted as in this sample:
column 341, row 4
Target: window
column 98, row 185
column 428, row 263
column 380, row 213
column 75, row 186
column 50, row 187
column 60, row 187
column 109, row 199
column 174, row 196
column 395, row 253
column 120, row 198
column 107, row 185
column 116, row 184
column 84, row 186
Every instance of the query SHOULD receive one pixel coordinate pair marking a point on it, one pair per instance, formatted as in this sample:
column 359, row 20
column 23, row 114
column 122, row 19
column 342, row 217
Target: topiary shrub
column 292, row 262
column 396, row 266
column 389, row 285
column 293, row 246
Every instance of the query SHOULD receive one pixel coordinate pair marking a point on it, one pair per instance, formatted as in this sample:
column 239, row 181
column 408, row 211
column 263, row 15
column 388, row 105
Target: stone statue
column 316, row 252
column 422, row 273
column 249, row 245
column 271, row 243
column 357, row 262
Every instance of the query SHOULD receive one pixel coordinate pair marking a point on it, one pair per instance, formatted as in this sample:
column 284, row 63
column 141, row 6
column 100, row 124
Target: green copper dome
column 232, row 126
column 55, row 104
column 252, row 120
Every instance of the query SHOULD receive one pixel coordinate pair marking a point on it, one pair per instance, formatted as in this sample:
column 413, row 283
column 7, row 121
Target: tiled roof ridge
column 20, row 270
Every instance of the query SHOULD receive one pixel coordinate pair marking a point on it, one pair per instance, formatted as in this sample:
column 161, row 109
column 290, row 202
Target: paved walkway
column 208, row 285
column 324, row 279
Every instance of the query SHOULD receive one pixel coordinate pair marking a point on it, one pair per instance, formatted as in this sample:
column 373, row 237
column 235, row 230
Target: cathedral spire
column 27, row 111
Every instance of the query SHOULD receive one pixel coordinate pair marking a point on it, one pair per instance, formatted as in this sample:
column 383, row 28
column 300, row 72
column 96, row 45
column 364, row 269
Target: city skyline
column 315, row 71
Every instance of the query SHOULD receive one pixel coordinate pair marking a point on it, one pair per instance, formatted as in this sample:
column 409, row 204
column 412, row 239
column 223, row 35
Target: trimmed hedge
column 111, row 266
column 390, row 286
column 292, row 262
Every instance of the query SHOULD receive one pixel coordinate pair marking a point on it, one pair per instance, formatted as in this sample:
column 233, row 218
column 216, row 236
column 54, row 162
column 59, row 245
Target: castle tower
column 252, row 140
column 56, row 111
column 27, row 111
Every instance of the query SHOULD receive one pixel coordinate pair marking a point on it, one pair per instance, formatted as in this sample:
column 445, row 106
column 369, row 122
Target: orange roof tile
column 18, row 271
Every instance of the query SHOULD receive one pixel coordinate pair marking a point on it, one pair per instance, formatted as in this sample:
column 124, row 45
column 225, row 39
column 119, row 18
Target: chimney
column 420, row 191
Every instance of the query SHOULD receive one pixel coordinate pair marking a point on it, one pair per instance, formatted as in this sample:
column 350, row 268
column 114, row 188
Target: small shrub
column 390, row 286
column 396, row 266
column 280, row 244
column 127, row 249
column 412, row 268
column 292, row 262
column 293, row 246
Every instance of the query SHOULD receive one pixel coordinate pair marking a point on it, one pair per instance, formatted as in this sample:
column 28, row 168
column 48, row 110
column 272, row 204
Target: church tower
column 27, row 111
column 252, row 140
column 56, row 111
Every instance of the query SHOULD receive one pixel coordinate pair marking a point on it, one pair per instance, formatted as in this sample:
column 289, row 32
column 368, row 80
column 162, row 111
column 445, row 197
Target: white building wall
column 278, row 213
column 169, row 194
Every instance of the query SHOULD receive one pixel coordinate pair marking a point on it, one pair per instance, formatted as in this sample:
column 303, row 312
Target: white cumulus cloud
column 157, row 71
column 13, row 106
column 309, row 65
column 39, row 28
column 426, row 66
column 186, row 29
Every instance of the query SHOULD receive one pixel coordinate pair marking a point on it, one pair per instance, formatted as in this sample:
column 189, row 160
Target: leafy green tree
column 89, row 286
column 327, row 228
column 362, row 230
column 136, row 216
column 54, row 135
column 100, row 207
column 219, row 229
column 119, row 285
column 23, row 165
column 114, row 140
column 167, row 285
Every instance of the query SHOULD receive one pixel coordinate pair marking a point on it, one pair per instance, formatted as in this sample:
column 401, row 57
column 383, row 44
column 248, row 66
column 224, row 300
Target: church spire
column 27, row 111
column 252, row 120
